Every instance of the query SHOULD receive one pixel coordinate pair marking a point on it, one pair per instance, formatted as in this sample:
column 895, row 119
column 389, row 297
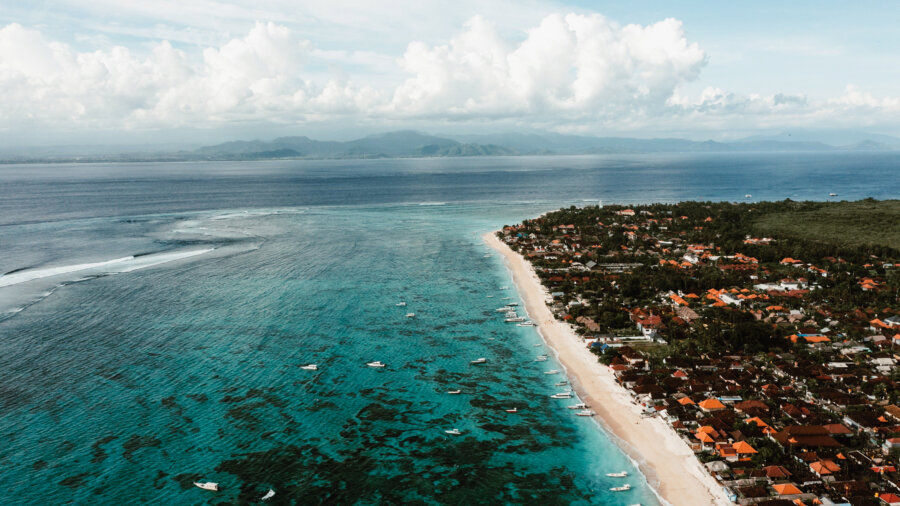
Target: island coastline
column 670, row 466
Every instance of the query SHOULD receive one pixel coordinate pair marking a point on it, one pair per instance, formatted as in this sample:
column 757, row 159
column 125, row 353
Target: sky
column 201, row 71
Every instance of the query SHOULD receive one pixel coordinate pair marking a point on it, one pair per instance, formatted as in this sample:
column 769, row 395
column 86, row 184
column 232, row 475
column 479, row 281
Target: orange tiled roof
column 743, row 447
column 786, row 489
column 711, row 404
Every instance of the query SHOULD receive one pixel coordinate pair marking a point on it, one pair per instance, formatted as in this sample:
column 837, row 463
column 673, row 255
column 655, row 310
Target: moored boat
column 454, row 432
column 454, row 392
column 310, row 367
column 270, row 494
column 207, row 485
column 623, row 488
column 620, row 474
column 513, row 410
column 526, row 324
column 585, row 413
column 410, row 315
column 580, row 405
column 561, row 383
column 375, row 364
column 562, row 395
column 552, row 371
column 400, row 304
column 478, row 361
column 514, row 320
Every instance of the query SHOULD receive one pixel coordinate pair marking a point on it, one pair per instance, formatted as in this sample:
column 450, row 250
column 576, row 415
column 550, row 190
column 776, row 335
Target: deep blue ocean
column 154, row 318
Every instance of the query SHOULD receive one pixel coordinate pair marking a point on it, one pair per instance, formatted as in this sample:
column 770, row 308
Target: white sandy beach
column 664, row 458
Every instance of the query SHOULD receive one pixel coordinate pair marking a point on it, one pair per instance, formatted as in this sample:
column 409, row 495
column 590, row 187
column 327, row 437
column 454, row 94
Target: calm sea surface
column 154, row 318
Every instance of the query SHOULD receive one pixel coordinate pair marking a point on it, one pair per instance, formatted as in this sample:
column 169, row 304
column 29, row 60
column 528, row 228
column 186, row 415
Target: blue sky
column 207, row 70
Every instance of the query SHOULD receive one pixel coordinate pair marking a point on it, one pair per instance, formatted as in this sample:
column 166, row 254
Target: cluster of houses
column 813, row 420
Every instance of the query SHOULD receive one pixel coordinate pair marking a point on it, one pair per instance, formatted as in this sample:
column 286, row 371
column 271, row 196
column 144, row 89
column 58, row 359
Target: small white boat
column 270, row 494
column 455, row 432
column 505, row 309
column 541, row 358
column 747, row 196
column 514, row 304
column 504, row 288
column 580, row 405
column 525, row 324
column 554, row 371
column 585, row 413
column 375, row 364
column 537, row 345
column 505, row 298
column 561, row 383
column 623, row 488
column 511, row 314
column 310, row 367
column 208, row 485
column 513, row 410
column 514, row 320
column 620, row 474
column 479, row 361
column 832, row 194
column 454, row 392
column 562, row 395
column 410, row 315
column 400, row 304
column 490, row 296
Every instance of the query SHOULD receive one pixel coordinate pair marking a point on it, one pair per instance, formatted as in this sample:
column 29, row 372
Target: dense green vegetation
column 865, row 222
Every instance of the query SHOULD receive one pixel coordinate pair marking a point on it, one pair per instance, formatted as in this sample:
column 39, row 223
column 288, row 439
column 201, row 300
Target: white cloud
column 568, row 72
column 570, row 66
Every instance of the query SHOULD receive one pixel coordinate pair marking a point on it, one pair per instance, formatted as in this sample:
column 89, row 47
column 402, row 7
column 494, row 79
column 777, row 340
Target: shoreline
column 670, row 467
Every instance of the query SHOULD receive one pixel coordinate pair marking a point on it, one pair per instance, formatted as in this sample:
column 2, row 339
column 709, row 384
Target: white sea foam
column 161, row 258
column 32, row 274
column 116, row 265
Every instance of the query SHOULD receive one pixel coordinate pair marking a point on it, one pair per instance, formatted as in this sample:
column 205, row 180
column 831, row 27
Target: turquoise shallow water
column 134, row 385
column 125, row 382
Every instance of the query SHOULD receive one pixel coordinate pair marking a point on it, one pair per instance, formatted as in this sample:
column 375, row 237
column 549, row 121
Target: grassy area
column 844, row 223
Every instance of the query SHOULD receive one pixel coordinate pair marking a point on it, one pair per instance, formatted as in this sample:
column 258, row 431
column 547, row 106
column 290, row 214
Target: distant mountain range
column 408, row 143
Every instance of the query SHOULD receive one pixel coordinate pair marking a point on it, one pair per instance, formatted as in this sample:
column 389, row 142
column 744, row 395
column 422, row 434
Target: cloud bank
column 570, row 72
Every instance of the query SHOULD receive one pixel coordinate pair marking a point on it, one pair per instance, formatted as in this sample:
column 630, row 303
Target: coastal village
column 773, row 358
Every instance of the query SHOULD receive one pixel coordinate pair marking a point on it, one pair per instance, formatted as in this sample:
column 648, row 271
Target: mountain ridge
column 413, row 144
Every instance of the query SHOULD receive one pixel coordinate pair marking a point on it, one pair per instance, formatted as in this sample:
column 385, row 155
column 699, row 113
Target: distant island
column 763, row 337
column 413, row 144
